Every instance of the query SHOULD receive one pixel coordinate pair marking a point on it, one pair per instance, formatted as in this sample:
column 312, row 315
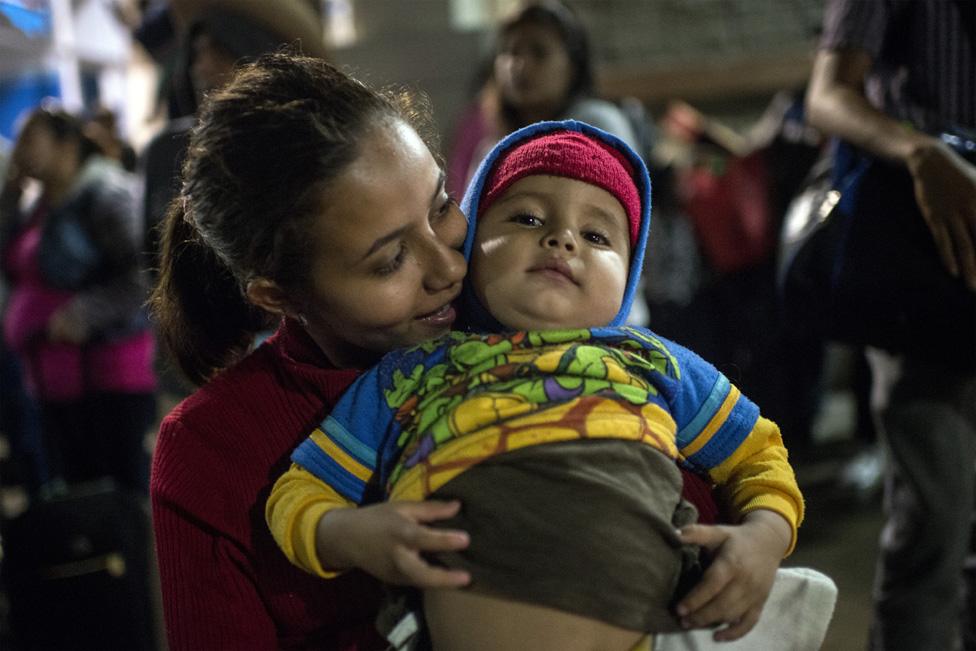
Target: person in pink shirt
column 74, row 315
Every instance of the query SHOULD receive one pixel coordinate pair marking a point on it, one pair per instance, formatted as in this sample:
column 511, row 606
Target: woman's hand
column 736, row 584
column 945, row 189
column 388, row 541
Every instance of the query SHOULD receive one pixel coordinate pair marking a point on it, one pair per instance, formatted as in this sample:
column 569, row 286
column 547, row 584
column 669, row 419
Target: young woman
column 310, row 204
column 74, row 316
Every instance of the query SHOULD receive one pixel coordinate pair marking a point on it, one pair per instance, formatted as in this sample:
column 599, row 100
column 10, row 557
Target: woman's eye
column 596, row 238
column 394, row 263
column 445, row 207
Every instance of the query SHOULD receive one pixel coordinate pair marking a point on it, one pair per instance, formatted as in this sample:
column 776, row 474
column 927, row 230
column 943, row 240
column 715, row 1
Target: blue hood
column 473, row 316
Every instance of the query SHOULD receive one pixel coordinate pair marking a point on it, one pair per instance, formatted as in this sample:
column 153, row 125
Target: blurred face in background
column 533, row 69
column 212, row 65
column 37, row 150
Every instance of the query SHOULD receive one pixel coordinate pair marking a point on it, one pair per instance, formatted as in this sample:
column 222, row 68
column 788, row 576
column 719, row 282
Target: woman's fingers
column 943, row 243
column 962, row 237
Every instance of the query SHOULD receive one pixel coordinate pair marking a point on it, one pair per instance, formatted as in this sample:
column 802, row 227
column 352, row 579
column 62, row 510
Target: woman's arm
column 944, row 184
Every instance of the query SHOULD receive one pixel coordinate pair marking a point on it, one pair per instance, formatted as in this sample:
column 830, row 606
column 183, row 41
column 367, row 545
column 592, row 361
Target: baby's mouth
column 556, row 268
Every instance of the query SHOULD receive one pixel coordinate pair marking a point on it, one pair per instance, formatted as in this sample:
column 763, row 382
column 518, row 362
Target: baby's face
column 550, row 253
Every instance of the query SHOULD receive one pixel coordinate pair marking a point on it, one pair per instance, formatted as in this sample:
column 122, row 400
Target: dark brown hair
column 265, row 148
column 63, row 126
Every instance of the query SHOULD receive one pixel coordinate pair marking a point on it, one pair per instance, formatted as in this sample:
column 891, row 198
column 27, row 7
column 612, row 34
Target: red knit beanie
column 572, row 155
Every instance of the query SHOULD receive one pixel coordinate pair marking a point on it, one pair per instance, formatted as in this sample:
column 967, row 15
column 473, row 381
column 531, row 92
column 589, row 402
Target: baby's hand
column 388, row 541
column 736, row 584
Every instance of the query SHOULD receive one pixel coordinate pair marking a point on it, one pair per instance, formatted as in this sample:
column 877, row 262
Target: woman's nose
column 562, row 239
column 445, row 268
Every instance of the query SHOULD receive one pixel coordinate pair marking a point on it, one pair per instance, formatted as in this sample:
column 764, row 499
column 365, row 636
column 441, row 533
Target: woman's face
column 37, row 150
column 212, row 66
column 387, row 264
column 533, row 69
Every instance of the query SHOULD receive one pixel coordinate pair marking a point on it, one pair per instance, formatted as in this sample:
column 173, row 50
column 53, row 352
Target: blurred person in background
column 212, row 38
column 102, row 128
column 74, row 315
column 214, row 41
column 890, row 74
column 19, row 420
column 541, row 69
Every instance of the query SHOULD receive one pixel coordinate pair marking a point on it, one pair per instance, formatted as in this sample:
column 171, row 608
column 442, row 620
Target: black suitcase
column 76, row 570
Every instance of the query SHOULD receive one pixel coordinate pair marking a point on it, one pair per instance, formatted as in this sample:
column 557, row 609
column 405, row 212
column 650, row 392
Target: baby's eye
column 526, row 219
column 596, row 238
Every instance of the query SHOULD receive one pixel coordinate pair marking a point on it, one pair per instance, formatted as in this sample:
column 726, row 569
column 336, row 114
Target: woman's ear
column 269, row 296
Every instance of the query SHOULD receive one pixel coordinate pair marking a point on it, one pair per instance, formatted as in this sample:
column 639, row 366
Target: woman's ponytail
column 201, row 315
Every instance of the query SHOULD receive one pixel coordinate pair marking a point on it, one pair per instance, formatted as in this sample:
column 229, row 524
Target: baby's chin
column 549, row 313
column 523, row 322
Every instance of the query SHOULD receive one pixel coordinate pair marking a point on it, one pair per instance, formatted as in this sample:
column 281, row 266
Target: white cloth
column 795, row 618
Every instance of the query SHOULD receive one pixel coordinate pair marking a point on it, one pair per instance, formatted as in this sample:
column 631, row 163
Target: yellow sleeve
column 298, row 501
column 758, row 475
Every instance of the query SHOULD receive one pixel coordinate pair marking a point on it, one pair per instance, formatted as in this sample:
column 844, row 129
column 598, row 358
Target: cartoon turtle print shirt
column 425, row 414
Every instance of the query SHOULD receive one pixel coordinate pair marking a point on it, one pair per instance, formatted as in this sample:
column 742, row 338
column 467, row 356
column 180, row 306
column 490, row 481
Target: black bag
column 858, row 264
column 76, row 571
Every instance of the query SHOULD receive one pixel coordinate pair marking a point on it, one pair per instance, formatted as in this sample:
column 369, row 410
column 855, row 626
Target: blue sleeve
column 713, row 418
column 344, row 449
column 358, row 441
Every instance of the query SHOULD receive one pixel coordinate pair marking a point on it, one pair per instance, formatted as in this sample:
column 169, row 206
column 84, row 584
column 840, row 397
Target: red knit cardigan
column 225, row 584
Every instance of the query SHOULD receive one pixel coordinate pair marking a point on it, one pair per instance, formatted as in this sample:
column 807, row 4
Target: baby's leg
column 463, row 620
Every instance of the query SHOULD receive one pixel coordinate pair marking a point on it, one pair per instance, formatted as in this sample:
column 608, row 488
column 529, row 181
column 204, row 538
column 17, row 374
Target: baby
column 526, row 479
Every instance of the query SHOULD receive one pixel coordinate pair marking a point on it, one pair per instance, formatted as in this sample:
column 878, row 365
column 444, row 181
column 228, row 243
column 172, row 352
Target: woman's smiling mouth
column 441, row 317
